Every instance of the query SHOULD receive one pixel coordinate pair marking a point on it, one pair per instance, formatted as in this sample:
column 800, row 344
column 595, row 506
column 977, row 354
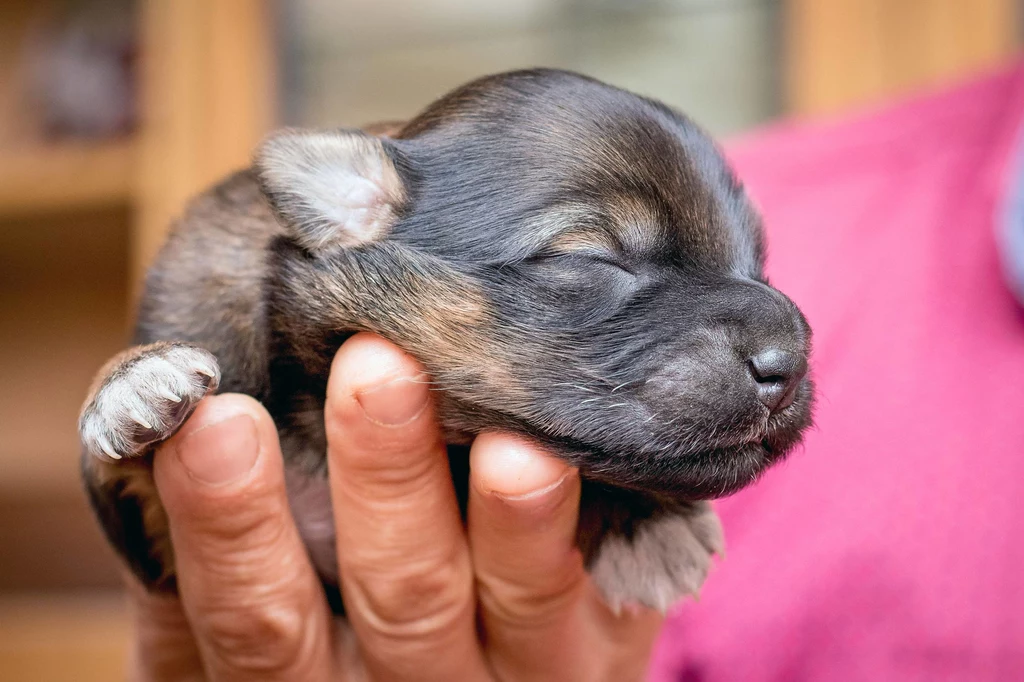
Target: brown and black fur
column 569, row 261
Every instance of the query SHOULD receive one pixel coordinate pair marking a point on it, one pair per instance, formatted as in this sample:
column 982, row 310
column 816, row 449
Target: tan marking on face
column 457, row 334
column 622, row 223
column 438, row 315
column 586, row 241
column 454, row 301
column 447, row 322
column 563, row 219
column 635, row 222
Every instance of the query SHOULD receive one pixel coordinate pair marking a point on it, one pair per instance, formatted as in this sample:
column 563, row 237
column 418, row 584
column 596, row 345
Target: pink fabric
column 891, row 546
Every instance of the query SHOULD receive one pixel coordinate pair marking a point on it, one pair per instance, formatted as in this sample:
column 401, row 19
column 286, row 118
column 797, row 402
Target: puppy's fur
column 570, row 262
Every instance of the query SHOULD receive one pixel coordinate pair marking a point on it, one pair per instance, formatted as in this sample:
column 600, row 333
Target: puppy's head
column 570, row 261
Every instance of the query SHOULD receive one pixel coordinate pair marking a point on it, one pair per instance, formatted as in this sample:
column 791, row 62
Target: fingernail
column 536, row 493
column 221, row 453
column 515, row 471
column 395, row 403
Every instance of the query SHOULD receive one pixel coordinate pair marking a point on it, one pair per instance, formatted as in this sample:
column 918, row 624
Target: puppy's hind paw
column 666, row 558
column 145, row 398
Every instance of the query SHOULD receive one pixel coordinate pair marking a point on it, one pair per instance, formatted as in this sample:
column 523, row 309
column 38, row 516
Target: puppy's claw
column 168, row 394
column 206, row 371
column 107, row 448
column 146, row 399
column 140, row 420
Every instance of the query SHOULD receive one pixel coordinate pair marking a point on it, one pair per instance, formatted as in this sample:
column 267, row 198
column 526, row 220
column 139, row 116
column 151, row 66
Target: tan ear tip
column 331, row 188
column 275, row 142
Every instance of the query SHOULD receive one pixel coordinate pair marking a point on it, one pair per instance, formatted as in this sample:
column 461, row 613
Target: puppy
column 571, row 262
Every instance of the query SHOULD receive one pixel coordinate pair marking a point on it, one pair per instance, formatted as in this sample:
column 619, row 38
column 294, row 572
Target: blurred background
column 113, row 112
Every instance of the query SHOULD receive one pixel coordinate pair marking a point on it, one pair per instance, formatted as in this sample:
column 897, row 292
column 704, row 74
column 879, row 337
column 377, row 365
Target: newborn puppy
column 571, row 262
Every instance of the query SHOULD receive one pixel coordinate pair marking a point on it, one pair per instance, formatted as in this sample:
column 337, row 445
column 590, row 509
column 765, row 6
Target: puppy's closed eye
column 587, row 248
column 579, row 261
column 585, row 286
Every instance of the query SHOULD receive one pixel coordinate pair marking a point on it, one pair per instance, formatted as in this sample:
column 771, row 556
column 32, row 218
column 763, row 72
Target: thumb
column 249, row 592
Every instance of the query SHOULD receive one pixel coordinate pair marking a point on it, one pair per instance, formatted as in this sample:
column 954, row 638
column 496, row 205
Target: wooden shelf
column 54, row 637
column 61, row 176
column 64, row 297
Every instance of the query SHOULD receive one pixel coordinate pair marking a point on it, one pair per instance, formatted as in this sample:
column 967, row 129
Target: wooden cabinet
column 847, row 53
column 79, row 221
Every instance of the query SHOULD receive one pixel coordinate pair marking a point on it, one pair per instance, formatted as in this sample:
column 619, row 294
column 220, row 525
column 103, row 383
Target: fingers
column 405, row 569
column 254, row 603
column 164, row 649
column 523, row 509
column 542, row 614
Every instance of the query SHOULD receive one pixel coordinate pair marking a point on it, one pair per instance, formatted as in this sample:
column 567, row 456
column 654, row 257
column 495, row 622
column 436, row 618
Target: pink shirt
column 891, row 546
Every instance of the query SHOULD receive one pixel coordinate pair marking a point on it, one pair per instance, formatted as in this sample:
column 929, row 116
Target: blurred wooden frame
column 80, row 220
column 209, row 95
column 844, row 53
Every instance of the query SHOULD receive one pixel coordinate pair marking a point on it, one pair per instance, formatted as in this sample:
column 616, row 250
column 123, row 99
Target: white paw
column 145, row 399
column 666, row 559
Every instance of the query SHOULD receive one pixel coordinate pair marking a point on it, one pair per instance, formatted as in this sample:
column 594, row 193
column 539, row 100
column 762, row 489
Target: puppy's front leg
column 139, row 399
column 641, row 550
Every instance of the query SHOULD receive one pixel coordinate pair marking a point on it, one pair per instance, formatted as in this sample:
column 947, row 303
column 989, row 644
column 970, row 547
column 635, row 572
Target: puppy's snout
column 777, row 373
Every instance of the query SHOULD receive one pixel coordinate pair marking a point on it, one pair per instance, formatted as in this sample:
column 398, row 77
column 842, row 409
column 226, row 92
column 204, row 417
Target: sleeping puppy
column 570, row 262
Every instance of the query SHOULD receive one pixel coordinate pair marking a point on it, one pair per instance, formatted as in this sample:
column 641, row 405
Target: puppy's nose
column 777, row 373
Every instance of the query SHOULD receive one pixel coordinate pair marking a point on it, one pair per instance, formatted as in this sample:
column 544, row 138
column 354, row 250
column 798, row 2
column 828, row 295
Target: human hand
column 503, row 597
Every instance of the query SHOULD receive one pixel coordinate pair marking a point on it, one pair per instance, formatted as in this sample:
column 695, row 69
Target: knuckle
column 516, row 604
column 379, row 475
column 244, row 535
column 250, row 528
column 416, row 603
column 272, row 637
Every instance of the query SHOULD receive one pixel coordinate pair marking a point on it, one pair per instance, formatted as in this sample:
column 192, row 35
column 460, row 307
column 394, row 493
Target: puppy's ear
column 330, row 189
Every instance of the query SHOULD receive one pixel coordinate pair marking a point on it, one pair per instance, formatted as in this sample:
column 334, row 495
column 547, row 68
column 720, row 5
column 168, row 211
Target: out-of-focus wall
column 731, row 64
column 112, row 113
column 360, row 61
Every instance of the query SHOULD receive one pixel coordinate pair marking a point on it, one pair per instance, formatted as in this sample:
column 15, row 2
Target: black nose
column 777, row 373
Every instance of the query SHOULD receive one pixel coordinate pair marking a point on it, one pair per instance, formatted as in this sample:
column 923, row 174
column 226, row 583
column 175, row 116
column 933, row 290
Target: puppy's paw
column 145, row 398
column 666, row 558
